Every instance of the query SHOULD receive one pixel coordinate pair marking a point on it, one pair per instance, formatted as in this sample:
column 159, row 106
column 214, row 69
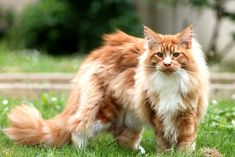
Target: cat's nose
column 167, row 64
column 167, row 61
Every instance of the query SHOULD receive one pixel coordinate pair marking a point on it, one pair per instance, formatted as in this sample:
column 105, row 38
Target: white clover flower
column 214, row 101
column 5, row 102
column 31, row 104
column 233, row 122
column 233, row 97
column 53, row 99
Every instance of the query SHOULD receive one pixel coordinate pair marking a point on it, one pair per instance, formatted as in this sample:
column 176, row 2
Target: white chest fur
column 169, row 89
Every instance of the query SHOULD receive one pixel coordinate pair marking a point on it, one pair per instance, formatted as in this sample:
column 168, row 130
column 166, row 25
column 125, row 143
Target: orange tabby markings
column 161, row 80
column 177, row 91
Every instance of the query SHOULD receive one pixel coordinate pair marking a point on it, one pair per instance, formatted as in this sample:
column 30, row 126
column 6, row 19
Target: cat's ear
column 185, row 36
column 151, row 38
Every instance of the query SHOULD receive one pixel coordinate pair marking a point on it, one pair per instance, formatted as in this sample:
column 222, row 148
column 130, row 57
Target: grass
column 216, row 131
column 34, row 61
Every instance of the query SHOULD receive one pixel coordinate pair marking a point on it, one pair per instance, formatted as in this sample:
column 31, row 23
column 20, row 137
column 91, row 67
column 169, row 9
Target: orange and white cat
column 161, row 80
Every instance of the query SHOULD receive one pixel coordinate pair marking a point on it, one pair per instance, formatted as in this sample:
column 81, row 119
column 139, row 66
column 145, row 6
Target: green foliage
column 218, row 128
column 66, row 26
column 199, row 3
column 6, row 21
column 46, row 25
column 221, row 116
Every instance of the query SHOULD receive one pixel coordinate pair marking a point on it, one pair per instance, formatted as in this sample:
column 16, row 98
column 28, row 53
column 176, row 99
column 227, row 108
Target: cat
column 161, row 80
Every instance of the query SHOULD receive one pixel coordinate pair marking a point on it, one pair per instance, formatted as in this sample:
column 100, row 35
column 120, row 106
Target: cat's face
column 168, row 53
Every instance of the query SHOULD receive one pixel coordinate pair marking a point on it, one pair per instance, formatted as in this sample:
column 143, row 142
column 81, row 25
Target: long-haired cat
column 161, row 80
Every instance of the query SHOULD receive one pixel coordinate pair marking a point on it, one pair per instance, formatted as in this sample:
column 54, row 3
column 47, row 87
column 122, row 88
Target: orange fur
column 176, row 107
column 115, row 91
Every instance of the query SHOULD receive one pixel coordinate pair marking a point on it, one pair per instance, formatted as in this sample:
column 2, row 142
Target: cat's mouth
column 167, row 70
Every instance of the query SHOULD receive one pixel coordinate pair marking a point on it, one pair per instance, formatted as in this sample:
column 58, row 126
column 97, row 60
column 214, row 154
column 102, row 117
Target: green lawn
column 217, row 131
column 34, row 61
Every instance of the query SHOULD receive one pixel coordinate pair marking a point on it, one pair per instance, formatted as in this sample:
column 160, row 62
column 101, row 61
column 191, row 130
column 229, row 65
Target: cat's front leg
column 162, row 144
column 187, row 132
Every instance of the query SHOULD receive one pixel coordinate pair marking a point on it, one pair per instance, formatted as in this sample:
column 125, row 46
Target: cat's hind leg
column 128, row 138
column 85, row 123
column 89, row 121
column 80, row 138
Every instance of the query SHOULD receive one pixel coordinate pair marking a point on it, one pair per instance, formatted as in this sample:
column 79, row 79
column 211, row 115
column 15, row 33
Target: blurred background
column 43, row 43
column 68, row 27
column 54, row 36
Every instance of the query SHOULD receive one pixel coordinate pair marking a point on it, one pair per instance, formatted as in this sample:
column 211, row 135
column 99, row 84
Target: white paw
column 80, row 141
column 142, row 150
column 193, row 146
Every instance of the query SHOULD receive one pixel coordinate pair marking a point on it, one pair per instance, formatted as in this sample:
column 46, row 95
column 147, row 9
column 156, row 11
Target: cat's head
column 168, row 53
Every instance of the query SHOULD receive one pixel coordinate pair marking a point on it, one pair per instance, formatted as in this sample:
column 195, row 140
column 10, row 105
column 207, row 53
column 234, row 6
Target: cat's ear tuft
column 151, row 38
column 185, row 36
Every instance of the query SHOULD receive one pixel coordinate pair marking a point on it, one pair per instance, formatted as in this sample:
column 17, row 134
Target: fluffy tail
column 28, row 127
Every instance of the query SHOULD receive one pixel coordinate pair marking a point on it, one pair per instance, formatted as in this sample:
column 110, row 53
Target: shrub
column 66, row 26
column 45, row 25
column 6, row 21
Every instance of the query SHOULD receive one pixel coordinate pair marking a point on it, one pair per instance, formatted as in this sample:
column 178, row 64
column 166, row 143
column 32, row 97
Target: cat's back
column 119, row 50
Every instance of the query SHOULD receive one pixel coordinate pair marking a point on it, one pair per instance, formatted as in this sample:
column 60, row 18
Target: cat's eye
column 160, row 54
column 176, row 54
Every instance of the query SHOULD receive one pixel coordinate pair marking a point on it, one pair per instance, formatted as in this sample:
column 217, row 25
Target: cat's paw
column 80, row 141
column 187, row 147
